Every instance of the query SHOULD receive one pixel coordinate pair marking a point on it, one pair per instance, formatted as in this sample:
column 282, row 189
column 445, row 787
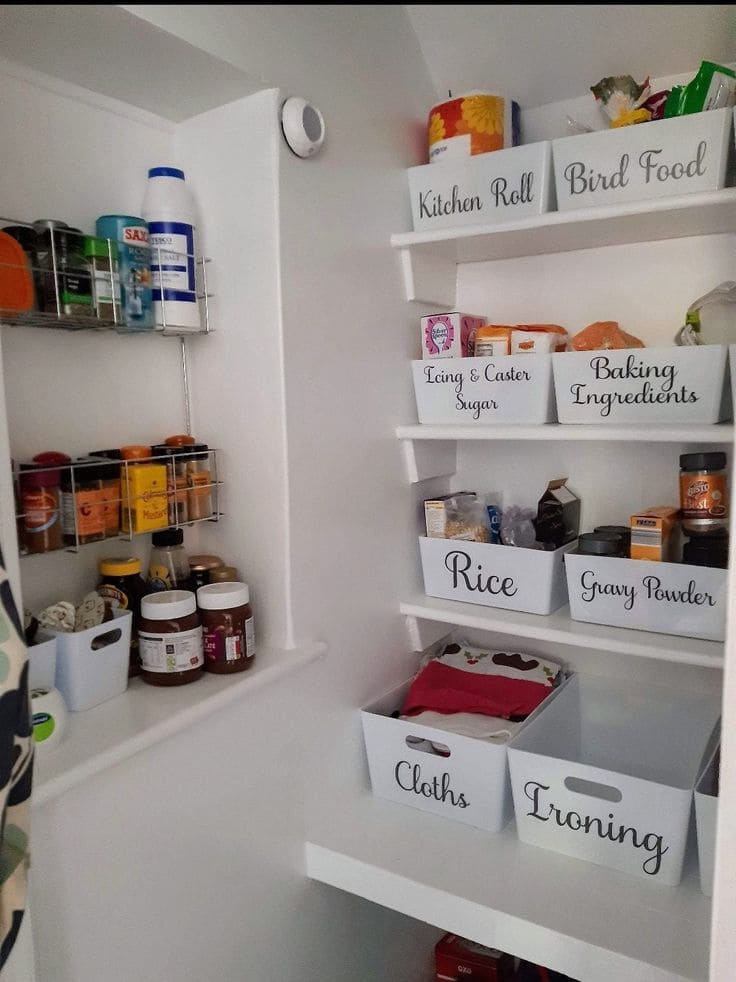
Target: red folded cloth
column 451, row 690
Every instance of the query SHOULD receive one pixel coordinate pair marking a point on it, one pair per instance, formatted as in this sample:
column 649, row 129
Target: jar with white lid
column 227, row 625
column 170, row 638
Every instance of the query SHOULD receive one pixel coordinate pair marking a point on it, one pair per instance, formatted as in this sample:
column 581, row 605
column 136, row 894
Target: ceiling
column 539, row 54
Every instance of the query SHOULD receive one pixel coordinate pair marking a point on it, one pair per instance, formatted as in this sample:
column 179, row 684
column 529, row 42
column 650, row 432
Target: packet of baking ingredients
column 604, row 336
column 436, row 512
column 714, row 87
column 538, row 339
column 621, row 99
column 467, row 518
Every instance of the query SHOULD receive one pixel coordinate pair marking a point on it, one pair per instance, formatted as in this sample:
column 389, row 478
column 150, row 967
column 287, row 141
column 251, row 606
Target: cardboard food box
column 558, row 514
column 449, row 335
column 655, row 534
column 458, row 958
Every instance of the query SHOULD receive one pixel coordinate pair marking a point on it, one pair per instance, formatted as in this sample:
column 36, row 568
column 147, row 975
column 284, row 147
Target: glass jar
column 82, row 505
column 600, row 544
column 199, row 482
column 102, row 257
column 168, row 566
column 176, row 482
column 67, row 280
column 703, row 492
column 200, row 569
column 170, row 638
column 227, row 627
column 624, row 531
column 123, row 588
column 707, row 550
column 40, row 511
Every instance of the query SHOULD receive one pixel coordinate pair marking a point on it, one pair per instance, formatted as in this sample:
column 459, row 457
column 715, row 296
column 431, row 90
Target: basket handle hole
column 106, row 639
column 594, row 790
column 427, row 746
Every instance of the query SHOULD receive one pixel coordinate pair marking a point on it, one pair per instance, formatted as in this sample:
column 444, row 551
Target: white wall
column 186, row 861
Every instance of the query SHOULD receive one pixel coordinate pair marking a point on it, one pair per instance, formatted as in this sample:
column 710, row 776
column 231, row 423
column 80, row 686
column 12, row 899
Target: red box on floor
column 457, row 959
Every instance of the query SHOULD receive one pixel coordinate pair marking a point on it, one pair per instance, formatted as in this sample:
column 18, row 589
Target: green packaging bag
column 714, row 87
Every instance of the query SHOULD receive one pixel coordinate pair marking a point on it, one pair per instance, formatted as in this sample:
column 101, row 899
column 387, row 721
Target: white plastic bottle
column 169, row 210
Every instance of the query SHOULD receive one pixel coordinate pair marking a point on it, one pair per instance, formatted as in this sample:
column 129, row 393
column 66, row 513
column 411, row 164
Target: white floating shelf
column 145, row 714
column 623, row 433
column 430, row 450
column 587, row 921
column 561, row 629
column 429, row 258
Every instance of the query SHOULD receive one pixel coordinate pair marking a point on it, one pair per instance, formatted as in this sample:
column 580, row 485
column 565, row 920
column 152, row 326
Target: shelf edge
column 50, row 787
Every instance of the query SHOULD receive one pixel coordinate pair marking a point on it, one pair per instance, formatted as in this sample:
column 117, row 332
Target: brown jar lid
column 179, row 440
column 205, row 562
column 135, row 452
column 224, row 574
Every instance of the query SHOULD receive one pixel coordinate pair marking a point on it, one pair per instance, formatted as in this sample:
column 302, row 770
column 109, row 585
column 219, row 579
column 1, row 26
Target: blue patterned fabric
column 16, row 768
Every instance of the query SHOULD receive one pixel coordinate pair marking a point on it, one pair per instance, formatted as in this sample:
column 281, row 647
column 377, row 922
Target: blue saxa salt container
column 131, row 235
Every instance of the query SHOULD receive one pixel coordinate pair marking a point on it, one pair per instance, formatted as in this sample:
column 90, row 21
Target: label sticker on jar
column 171, row 652
column 250, row 638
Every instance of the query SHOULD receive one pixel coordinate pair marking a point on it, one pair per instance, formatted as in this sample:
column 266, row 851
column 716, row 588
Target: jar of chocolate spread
column 227, row 626
column 170, row 638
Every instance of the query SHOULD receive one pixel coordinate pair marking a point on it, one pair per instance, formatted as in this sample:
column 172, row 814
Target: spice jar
column 199, row 482
column 170, row 638
column 123, row 588
column 82, row 505
column 599, row 544
column 168, row 566
column 176, row 482
column 102, row 257
column 227, row 627
column 27, row 239
column 703, row 492
column 200, row 569
column 40, row 516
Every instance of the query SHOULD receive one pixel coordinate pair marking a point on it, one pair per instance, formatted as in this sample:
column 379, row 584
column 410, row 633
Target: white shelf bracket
column 423, row 634
column 429, row 278
column 425, row 459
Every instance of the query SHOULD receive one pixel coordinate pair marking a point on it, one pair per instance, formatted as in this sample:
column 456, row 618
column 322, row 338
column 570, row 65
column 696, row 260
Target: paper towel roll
column 48, row 717
column 473, row 123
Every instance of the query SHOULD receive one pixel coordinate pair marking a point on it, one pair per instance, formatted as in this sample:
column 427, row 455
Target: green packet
column 714, row 87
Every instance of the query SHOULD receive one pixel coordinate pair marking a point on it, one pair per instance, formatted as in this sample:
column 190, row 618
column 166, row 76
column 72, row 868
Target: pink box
column 449, row 335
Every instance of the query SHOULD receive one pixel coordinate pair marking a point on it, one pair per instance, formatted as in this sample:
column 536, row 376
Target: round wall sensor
column 303, row 126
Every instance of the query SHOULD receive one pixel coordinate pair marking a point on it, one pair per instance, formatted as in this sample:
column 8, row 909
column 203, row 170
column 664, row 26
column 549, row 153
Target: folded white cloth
column 468, row 724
